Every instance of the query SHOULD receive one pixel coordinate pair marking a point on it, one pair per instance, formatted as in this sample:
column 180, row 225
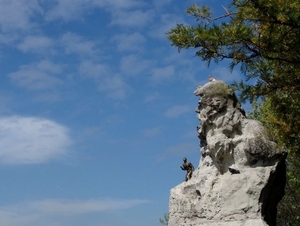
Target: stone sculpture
column 241, row 175
column 189, row 169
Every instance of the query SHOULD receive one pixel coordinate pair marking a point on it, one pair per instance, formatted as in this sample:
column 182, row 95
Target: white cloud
column 130, row 42
column 11, row 218
column 161, row 74
column 41, row 75
column 118, row 4
column 165, row 23
column 74, row 207
column 35, row 44
column 93, row 70
column 67, row 10
column 17, row 15
column 161, row 3
column 56, row 212
column 181, row 149
column 8, row 38
column 30, row 140
column 152, row 132
column 113, row 85
column 48, row 97
column 135, row 65
column 177, row 111
column 48, row 66
column 75, row 44
column 151, row 97
column 134, row 18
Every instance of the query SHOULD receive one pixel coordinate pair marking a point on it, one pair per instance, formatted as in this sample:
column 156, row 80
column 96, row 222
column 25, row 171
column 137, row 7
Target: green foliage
column 262, row 38
column 219, row 89
column 164, row 220
column 259, row 35
column 289, row 207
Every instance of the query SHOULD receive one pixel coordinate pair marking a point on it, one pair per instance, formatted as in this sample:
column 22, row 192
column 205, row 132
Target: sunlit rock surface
column 241, row 175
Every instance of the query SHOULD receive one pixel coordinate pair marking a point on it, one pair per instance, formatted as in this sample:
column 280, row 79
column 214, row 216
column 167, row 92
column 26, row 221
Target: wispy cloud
column 176, row 111
column 41, row 75
column 179, row 150
column 17, row 15
column 151, row 97
column 67, row 10
column 112, row 84
column 115, row 86
column 75, row 44
column 90, row 69
column 129, row 42
column 118, row 4
column 135, row 65
column 48, row 97
column 55, row 211
column 15, row 218
column 164, row 24
column 161, row 3
column 162, row 74
column 30, row 140
column 133, row 18
column 152, row 132
column 35, row 44
column 71, row 207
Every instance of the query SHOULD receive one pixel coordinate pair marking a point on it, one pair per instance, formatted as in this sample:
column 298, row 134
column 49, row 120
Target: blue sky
column 96, row 110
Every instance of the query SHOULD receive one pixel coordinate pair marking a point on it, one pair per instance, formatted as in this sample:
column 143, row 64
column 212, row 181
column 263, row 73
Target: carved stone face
column 230, row 136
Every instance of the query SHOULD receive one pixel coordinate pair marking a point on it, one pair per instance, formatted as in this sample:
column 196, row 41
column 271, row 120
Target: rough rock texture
column 241, row 175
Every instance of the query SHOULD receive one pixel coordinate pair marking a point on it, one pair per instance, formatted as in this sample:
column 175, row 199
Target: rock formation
column 241, row 175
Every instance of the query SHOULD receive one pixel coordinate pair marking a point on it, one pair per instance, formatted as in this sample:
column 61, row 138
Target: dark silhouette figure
column 188, row 167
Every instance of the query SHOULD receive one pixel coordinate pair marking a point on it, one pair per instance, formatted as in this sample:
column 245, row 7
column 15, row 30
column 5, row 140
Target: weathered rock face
column 241, row 175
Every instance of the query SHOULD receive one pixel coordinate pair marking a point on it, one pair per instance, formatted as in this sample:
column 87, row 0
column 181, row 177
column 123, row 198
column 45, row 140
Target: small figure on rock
column 188, row 167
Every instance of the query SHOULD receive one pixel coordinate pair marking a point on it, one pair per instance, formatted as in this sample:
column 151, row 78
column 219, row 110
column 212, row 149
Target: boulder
column 241, row 174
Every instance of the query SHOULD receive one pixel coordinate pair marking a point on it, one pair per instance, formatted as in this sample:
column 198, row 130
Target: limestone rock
column 241, row 175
